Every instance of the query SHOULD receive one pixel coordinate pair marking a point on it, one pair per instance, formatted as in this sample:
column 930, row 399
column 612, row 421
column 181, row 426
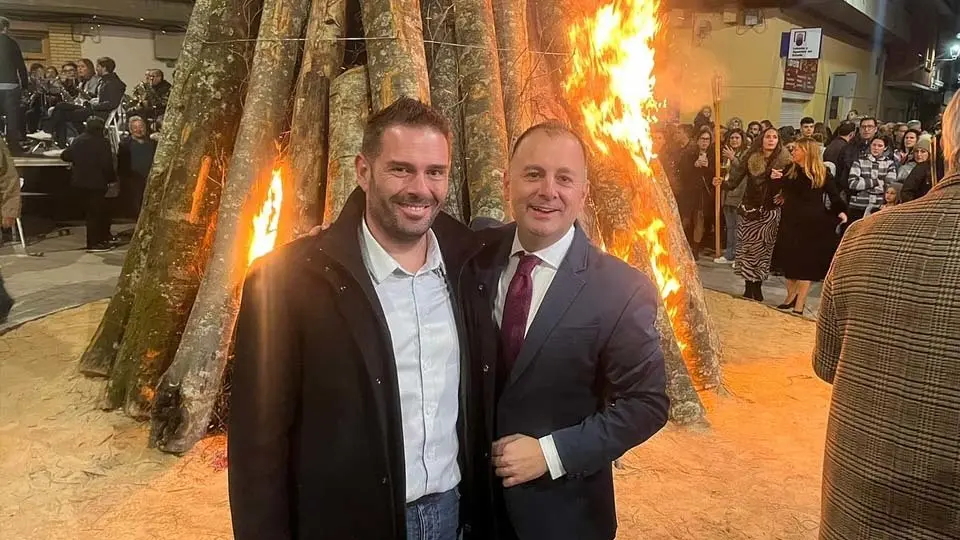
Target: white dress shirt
column 423, row 333
column 542, row 276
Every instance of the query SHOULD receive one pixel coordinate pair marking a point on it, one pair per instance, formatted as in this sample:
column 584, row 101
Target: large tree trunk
column 516, row 65
column 444, row 71
column 188, row 390
column 484, row 126
column 349, row 108
column 396, row 63
column 322, row 58
column 169, row 251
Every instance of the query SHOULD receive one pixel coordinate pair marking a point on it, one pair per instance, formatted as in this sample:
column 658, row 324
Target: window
column 34, row 45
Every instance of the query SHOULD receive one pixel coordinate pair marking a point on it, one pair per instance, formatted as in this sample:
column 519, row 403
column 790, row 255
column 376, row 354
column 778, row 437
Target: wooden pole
column 933, row 160
column 716, row 147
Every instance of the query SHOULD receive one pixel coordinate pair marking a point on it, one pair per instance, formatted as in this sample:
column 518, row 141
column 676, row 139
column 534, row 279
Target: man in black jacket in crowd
column 92, row 173
column 13, row 79
column 835, row 153
column 347, row 415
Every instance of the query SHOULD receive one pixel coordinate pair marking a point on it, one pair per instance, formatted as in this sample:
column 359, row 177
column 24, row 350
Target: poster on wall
column 805, row 43
column 800, row 76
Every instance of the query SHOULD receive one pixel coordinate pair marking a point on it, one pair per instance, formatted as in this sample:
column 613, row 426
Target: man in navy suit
column 577, row 376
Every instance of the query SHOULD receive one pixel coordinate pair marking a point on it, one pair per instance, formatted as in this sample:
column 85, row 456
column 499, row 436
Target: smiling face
column 547, row 186
column 877, row 147
column 406, row 183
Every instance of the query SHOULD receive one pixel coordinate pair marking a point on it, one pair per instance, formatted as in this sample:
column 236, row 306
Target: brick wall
column 62, row 46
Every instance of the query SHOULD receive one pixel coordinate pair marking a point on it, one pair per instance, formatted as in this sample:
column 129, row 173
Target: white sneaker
column 53, row 153
column 722, row 260
column 40, row 136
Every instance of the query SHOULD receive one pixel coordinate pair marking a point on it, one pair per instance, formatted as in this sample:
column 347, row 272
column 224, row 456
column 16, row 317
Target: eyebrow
column 407, row 164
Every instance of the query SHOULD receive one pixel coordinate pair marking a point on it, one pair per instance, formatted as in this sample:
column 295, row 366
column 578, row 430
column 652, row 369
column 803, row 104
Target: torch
column 716, row 147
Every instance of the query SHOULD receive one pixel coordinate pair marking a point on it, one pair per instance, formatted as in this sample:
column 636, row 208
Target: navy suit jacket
column 590, row 372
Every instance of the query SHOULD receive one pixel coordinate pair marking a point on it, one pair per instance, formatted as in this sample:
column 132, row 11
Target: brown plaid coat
column 888, row 339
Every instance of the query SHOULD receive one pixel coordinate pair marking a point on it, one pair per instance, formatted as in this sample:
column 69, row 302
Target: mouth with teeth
column 542, row 211
column 415, row 210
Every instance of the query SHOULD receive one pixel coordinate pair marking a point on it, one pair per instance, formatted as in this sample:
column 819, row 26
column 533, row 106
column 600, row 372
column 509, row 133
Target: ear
column 363, row 171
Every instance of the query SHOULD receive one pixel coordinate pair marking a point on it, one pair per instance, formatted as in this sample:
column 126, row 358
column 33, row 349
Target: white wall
column 131, row 48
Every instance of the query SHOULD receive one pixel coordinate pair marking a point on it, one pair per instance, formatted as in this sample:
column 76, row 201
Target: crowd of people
column 789, row 194
column 64, row 113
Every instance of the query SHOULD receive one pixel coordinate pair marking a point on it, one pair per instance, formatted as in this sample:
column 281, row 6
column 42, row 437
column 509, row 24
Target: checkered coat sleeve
column 888, row 338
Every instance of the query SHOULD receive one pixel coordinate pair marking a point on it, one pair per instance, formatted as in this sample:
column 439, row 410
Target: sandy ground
column 72, row 471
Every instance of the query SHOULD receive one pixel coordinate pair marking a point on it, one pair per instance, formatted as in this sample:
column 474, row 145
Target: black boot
column 748, row 290
column 758, row 291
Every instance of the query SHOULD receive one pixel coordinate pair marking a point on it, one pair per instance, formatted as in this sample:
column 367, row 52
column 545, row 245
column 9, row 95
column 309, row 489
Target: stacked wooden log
column 267, row 82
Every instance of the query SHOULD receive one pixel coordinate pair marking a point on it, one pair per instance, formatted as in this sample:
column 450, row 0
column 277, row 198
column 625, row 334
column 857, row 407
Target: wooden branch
column 168, row 252
column 349, row 108
column 322, row 58
column 516, row 73
column 396, row 64
column 485, row 133
column 444, row 72
column 194, row 378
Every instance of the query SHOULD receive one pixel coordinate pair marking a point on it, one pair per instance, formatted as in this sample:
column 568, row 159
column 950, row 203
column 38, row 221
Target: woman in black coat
column 919, row 181
column 812, row 210
column 696, row 169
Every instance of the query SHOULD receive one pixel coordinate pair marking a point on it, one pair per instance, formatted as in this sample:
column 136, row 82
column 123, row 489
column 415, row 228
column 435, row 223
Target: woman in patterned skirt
column 759, row 214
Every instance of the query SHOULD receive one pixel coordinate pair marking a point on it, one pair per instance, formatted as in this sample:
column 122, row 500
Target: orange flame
column 612, row 78
column 266, row 221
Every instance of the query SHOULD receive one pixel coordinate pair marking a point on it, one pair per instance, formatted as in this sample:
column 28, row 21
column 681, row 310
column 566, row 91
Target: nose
column 418, row 183
column 548, row 187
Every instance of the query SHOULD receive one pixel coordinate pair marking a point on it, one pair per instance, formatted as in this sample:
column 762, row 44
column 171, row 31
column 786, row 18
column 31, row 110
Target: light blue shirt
column 423, row 333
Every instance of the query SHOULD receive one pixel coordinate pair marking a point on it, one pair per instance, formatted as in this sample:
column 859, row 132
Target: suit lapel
column 565, row 287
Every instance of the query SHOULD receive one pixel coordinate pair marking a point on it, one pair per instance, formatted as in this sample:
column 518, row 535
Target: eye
column 533, row 175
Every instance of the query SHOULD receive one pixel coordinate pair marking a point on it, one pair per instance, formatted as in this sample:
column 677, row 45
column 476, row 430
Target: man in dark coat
column 835, row 153
column 347, row 415
column 92, row 172
column 13, row 80
column 577, row 376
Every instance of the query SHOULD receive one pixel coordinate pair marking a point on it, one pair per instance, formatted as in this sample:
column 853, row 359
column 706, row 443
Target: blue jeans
column 434, row 517
column 730, row 217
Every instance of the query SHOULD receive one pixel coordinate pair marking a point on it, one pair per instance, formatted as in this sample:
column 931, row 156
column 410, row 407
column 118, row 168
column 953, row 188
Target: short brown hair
column 404, row 111
column 552, row 128
column 107, row 63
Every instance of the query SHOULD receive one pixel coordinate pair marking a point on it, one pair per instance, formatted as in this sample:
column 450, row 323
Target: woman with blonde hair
column 812, row 210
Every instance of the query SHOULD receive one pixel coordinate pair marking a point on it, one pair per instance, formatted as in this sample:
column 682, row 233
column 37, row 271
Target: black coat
column 917, row 183
column 109, row 94
column 807, row 236
column 12, row 68
column 590, row 372
column 315, row 438
column 92, row 161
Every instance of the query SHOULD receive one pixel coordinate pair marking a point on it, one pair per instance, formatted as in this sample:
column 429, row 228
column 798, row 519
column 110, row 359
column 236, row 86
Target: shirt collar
column 551, row 255
column 381, row 264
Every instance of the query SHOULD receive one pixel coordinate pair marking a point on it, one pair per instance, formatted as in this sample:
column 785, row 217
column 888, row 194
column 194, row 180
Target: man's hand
column 8, row 222
column 518, row 459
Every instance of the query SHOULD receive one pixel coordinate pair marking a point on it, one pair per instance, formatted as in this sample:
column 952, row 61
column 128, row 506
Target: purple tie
column 516, row 307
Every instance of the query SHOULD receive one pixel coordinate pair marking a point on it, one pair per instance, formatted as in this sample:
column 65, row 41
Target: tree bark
column 516, row 65
column 322, row 58
column 484, row 126
column 349, row 108
column 168, row 252
column 193, row 380
column 444, row 72
column 396, row 62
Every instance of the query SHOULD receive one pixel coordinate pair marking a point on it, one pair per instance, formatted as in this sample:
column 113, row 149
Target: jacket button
column 378, row 381
column 486, row 368
column 383, row 480
column 326, row 268
column 343, row 288
column 480, row 287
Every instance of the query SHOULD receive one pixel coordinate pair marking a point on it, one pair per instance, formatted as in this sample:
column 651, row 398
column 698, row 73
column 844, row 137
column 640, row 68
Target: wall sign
column 800, row 76
column 805, row 43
